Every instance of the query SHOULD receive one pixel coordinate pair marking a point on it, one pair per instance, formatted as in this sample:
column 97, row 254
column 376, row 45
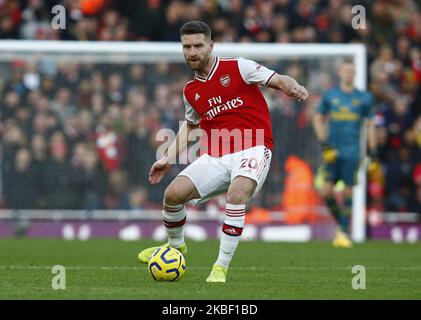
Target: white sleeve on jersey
column 191, row 115
column 254, row 73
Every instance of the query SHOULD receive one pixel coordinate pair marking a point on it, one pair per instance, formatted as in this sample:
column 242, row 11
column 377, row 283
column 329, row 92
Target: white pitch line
column 122, row 268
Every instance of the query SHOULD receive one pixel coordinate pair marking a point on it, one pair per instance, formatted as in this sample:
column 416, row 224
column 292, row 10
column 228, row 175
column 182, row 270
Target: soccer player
column 225, row 102
column 337, row 123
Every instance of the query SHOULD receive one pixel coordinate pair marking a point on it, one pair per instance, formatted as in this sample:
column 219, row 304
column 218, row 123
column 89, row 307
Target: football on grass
column 167, row 264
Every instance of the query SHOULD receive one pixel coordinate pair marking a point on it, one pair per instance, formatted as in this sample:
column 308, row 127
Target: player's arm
column 254, row 73
column 178, row 146
column 374, row 165
column 289, row 86
column 371, row 136
column 180, row 143
column 320, row 124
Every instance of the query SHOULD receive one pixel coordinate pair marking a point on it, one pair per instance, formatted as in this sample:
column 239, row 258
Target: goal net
column 114, row 98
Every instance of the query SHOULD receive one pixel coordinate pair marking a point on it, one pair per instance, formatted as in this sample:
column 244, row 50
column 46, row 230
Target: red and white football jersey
column 230, row 107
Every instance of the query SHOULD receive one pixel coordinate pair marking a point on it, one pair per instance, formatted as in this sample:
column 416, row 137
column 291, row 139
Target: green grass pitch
column 108, row 269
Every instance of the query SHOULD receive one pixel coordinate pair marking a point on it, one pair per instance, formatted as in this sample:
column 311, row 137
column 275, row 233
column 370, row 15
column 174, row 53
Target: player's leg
column 333, row 174
column 204, row 178
column 349, row 169
column 180, row 191
column 347, row 173
column 238, row 195
column 347, row 209
column 327, row 190
column 248, row 175
column 342, row 239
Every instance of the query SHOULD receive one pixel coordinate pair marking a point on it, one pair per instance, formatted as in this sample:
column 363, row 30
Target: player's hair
column 195, row 27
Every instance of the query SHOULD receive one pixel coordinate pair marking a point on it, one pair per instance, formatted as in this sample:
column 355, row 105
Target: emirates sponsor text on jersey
column 227, row 105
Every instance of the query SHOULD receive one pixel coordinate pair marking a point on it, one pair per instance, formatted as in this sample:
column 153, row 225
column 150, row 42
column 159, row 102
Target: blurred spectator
column 11, row 103
column 147, row 18
column 109, row 144
column 138, row 198
column 62, row 106
column 36, row 21
column 94, row 125
column 397, row 119
column 21, row 183
column 117, row 196
column 399, row 180
column 10, row 19
column 416, row 204
column 13, row 140
column 415, row 76
column 62, row 183
column 91, row 7
column 94, row 180
column 38, row 149
column 140, row 156
column 137, row 75
column 416, row 175
column 115, row 89
column 174, row 20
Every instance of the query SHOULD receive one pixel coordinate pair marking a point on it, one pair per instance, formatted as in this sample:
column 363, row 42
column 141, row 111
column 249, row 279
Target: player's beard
column 199, row 65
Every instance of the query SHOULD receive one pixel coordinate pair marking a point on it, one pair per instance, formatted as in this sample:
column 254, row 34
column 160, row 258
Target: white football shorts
column 213, row 175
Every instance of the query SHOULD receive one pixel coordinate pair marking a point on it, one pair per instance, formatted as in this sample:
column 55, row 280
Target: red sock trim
column 231, row 230
column 174, row 224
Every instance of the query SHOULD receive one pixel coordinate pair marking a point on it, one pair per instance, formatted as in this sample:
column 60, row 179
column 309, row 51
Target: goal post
column 153, row 52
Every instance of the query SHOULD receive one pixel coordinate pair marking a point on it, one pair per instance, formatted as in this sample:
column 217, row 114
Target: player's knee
column 238, row 196
column 172, row 196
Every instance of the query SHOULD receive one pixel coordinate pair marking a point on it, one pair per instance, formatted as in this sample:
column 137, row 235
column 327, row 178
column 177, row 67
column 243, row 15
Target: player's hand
column 158, row 170
column 329, row 153
column 298, row 92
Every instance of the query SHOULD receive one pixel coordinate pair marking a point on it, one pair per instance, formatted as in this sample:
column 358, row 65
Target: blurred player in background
column 337, row 123
column 223, row 98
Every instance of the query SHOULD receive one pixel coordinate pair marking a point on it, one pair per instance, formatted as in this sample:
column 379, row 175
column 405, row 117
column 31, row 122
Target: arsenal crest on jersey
column 225, row 80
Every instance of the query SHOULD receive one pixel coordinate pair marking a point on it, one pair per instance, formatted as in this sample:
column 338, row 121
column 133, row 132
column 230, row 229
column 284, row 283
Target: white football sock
column 231, row 233
column 174, row 218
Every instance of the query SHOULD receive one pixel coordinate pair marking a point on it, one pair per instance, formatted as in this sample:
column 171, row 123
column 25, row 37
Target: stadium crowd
column 82, row 136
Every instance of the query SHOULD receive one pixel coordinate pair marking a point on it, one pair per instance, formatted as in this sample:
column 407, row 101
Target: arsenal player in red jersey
column 225, row 102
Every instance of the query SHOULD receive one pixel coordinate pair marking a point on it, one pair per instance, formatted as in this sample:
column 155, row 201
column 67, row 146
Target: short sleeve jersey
column 229, row 106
